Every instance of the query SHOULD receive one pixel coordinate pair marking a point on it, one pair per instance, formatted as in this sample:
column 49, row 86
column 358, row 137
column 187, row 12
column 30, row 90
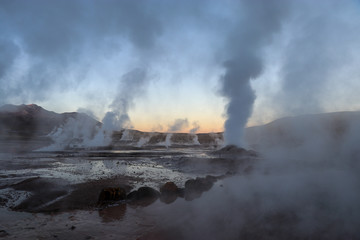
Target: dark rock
column 195, row 187
column 234, row 150
column 198, row 184
column 132, row 195
column 112, row 194
column 3, row 201
column 169, row 188
column 44, row 190
column 169, row 192
column 148, row 192
column 144, row 196
column 4, row 233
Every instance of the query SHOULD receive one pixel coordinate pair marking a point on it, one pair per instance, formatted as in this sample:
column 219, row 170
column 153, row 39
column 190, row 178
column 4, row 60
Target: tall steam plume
column 131, row 86
column 260, row 21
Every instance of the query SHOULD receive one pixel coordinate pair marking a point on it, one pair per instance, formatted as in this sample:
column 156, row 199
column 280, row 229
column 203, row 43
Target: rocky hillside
column 32, row 120
column 25, row 127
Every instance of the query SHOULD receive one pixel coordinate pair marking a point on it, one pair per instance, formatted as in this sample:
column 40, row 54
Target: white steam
column 131, row 86
column 307, row 191
column 178, row 125
column 253, row 31
column 195, row 128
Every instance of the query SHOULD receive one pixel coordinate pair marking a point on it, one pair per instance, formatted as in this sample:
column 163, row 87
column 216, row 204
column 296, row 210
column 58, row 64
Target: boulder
column 169, row 192
column 3, row 233
column 112, row 194
column 144, row 196
column 169, row 188
column 235, row 151
column 195, row 187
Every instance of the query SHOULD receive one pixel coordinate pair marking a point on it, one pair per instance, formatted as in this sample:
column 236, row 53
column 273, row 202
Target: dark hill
column 25, row 127
column 32, row 120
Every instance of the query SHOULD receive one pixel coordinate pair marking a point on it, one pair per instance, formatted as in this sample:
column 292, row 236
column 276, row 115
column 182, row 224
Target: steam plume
column 195, row 128
column 178, row 125
column 260, row 21
column 131, row 86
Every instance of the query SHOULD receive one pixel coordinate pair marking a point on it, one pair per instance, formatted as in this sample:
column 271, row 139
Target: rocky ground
column 65, row 190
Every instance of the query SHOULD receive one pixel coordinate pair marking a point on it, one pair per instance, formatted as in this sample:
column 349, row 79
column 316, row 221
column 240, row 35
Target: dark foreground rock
column 195, row 187
column 3, row 233
column 54, row 195
column 43, row 191
column 112, row 194
column 144, row 196
column 234, row 151
column 170, row 192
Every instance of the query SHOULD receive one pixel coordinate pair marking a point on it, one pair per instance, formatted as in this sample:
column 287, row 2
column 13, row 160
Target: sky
column 159, row 65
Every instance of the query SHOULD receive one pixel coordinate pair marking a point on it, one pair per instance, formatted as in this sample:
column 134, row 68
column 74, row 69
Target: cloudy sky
column 181, row 65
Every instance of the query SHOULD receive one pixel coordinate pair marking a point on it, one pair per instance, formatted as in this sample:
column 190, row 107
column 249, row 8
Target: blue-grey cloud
column 56, row 34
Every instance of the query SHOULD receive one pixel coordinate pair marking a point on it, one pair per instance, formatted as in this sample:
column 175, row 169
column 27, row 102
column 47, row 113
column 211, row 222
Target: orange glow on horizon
column 205, row 127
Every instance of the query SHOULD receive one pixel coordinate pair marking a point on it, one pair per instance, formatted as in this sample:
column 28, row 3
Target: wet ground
column 54, row 195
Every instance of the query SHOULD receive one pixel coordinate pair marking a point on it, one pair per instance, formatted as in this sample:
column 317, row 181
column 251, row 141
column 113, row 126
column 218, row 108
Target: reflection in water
column 111, row 214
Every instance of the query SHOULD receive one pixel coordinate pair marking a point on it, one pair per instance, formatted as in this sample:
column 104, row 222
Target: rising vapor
column 131, row 86
column 195, row 128
column 178, row 125
column 259, row 21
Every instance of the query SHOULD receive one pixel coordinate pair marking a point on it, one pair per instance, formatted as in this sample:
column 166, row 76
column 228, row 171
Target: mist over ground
column 304, row 186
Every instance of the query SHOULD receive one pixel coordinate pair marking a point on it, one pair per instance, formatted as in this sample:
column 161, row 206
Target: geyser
column 259, row 22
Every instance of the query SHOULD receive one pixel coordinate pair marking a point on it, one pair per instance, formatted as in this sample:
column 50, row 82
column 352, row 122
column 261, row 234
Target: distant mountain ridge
column 32, row 120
